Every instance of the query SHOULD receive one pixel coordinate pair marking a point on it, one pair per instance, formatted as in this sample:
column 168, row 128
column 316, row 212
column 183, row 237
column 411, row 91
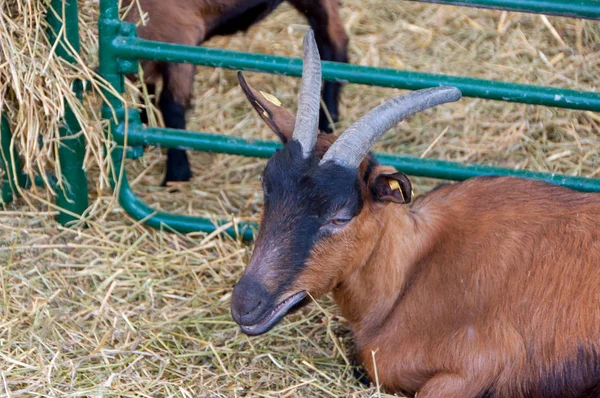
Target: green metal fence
column 120, row 49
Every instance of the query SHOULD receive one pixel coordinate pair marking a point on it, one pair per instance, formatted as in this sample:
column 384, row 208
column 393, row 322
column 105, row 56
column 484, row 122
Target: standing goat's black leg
column 173, row 112
column 144, row 113
column 332, row 41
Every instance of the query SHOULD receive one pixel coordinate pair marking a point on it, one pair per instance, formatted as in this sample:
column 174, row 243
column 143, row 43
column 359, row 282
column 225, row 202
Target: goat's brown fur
column 488, row 287
column 489, row 282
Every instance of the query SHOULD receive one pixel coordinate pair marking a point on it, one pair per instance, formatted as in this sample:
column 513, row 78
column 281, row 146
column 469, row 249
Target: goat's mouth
column 275, row 315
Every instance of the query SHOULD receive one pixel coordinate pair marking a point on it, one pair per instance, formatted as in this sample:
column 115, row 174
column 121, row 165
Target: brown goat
column 191, row 22
column 485, row 288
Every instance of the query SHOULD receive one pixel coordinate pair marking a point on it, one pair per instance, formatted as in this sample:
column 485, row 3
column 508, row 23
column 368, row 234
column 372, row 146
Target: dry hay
column 36, row 88
column 121, row 310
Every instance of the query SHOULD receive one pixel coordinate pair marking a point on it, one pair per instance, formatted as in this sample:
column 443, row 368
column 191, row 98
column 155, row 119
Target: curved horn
column 307, row 118
column 355, row 143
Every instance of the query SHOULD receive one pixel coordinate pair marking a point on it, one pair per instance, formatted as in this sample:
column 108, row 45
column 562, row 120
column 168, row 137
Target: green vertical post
column 73, row 195
column 109, row 28
column 8, row 158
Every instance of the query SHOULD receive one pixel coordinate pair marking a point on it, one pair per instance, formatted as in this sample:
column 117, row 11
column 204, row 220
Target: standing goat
column 191, row 22
column 484, row 288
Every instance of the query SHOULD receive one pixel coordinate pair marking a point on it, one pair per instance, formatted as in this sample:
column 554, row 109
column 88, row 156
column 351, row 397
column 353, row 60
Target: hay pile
column 35, row 88
column 121, row 310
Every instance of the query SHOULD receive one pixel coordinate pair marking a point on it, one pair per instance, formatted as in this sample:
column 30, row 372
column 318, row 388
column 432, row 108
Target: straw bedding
column 121, row 310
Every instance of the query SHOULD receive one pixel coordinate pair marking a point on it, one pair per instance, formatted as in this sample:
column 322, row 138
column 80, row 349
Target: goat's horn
column 307, row 118
column 355, row 143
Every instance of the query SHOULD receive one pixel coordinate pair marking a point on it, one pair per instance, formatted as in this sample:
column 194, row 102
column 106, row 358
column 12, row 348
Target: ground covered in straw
column 121, row 310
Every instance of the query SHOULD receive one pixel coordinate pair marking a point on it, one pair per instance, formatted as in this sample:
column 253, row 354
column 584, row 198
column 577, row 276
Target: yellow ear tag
column 271, row 98
column 394, row 185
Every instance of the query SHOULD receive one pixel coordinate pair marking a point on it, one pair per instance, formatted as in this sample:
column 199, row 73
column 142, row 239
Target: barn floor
column 121, row 310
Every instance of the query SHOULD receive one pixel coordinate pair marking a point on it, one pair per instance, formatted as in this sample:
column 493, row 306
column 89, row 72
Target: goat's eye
column 338, row 222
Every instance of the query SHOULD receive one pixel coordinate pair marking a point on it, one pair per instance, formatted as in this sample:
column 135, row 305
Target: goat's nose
column 247, row 301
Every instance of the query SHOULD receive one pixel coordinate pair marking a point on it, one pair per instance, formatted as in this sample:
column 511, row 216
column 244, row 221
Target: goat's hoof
column 177, row 177
column 361, row 376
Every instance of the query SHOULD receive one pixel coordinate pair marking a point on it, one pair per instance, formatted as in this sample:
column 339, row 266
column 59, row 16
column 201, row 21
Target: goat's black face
column 303, row 204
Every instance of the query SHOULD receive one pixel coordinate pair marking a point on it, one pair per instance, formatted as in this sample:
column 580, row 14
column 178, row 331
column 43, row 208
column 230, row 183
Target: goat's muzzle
column 257, row 311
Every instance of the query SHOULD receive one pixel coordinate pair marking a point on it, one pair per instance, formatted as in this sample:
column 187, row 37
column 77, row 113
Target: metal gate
column 120, row 51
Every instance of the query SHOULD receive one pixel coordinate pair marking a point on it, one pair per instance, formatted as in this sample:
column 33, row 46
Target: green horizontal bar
column 447, row 170
column 173, row 138
column 136, row 48
column 588, row 9
column 414, row 166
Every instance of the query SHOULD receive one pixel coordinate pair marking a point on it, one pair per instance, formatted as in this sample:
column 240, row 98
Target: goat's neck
column 369, row 294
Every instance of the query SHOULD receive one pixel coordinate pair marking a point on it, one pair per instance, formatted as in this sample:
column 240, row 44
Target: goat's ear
column 393, row 187
column 279, row 119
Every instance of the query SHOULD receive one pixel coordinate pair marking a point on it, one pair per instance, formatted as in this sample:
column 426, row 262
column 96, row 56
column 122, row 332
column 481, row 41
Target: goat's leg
column 450, row 386
column 174, row 100
column 144, row 113
column 153, row 72
column 332, row 41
